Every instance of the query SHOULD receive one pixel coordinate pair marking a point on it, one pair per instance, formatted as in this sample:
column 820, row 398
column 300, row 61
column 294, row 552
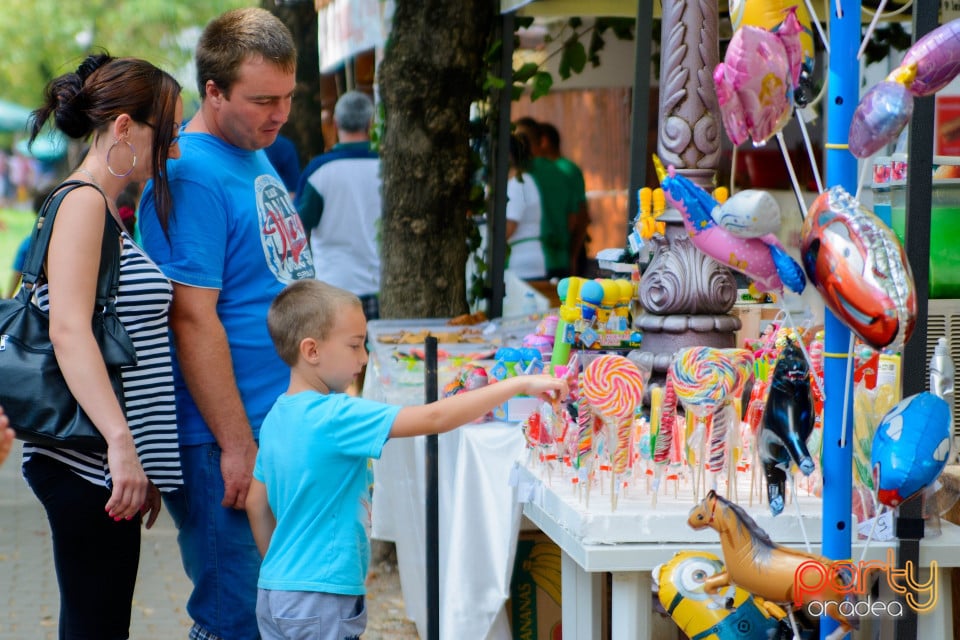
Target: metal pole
column 640, row 113
column 909, row 524
column 837, row 464
column 432, row 498
column 497, row 225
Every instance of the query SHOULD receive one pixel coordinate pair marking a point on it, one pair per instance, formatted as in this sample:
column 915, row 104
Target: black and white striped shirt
column 143, row 302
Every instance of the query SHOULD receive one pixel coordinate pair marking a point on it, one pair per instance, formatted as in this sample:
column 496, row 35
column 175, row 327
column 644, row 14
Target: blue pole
column 843, row 94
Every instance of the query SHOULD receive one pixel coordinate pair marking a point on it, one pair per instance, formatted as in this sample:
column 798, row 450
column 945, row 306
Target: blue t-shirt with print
column 232, row 228
column 314, row 460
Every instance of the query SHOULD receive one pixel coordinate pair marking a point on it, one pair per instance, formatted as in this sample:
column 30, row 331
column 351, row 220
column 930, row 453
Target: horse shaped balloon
column 764, row 568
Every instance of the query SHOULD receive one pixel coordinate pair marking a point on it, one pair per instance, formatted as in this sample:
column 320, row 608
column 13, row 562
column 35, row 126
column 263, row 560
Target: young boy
column 309, row 501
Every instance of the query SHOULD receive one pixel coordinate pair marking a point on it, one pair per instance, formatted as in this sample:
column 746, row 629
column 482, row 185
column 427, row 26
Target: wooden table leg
column 631, row 606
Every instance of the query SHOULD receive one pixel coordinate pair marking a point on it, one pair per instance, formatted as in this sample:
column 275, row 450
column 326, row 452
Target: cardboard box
column 516, row 409
column 534, row 607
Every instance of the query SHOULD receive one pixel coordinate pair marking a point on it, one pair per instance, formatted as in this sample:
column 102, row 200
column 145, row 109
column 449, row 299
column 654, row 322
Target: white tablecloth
column 479, row 520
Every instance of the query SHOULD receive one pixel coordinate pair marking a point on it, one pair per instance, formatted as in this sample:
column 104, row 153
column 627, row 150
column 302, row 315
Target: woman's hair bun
column 90, row 64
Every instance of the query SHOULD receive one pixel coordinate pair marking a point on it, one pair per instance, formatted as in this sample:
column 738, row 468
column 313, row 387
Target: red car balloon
column 859, row 267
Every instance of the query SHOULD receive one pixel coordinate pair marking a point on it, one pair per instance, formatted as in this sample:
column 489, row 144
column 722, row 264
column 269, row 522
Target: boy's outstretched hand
column 546, row 387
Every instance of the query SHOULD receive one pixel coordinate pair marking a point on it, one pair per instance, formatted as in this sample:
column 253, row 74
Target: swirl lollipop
column 613, row 386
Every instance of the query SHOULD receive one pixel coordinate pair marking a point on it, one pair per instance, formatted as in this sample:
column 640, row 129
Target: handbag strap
column 108, row 277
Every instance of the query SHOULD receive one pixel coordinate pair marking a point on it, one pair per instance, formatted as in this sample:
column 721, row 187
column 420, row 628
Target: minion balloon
column 704, row 617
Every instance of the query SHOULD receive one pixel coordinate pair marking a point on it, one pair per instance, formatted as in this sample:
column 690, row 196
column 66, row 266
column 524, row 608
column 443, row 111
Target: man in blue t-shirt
column 231, row 244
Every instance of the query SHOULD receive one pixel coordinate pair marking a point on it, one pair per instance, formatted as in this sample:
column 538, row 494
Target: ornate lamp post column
column 685, row 295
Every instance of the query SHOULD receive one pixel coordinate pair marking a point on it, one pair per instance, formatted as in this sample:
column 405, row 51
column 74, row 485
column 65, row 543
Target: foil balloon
column 910, row 448
column 762, row 259
column 937, row 56
column 788, row 420
column 768, row 570
column 750, row 213
column 732, row 615
column 860, row 269
column 928, row 66
column 882, row 114
column 776, row 16
column 754, row 86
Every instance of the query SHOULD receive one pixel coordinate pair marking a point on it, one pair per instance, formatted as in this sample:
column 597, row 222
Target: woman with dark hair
column 130, row 111
column 524, row 216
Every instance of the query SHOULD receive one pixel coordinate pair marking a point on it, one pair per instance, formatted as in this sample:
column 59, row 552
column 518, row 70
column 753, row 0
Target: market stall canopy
column 48, row 147
column 13, row 117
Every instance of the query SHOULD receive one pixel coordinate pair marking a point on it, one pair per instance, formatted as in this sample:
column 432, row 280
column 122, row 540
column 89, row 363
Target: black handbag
column 33, row 392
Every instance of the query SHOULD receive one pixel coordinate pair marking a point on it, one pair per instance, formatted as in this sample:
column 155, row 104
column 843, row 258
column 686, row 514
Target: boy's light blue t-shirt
column 314, row 460
column 234, row 228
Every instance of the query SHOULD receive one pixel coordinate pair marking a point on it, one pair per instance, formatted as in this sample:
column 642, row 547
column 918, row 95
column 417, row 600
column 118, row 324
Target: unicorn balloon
column 761, row 258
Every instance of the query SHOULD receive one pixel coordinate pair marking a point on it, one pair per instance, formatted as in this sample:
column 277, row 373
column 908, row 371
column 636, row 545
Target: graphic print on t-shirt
column 284, row 241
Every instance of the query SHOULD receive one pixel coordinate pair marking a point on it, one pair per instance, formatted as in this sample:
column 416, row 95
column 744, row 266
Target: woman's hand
column 6, row 436
column 129, row 480
column 151, row 508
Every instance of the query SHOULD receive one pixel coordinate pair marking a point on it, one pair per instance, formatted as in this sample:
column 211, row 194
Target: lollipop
column 613, row 385
column 703, row 378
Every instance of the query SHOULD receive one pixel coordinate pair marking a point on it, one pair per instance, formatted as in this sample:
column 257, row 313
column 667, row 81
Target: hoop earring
column 132, row 164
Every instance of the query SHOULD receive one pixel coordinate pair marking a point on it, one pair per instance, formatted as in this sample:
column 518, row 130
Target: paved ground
column 28, row 587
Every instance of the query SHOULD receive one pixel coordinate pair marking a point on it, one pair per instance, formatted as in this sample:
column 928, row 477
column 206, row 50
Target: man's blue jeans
column 217, row 548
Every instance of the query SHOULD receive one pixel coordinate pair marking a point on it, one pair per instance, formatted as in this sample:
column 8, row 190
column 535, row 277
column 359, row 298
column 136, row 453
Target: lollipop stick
column 810, row 154
column 873, row 25
column 793, row 175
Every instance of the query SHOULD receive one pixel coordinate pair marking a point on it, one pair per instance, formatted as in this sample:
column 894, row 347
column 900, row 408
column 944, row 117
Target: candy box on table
column 396, row 371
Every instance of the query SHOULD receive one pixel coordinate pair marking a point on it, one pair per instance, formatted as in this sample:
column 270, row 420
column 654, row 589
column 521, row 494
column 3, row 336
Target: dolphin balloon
column 763, row 258
column 788, row 421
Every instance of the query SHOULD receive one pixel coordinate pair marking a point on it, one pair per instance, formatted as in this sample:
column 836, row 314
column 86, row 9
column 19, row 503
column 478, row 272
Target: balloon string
column 866, row 544
column 861, row 180
column 793, row 175
column 846, row 394
column 813, row 158
column 733, row 169
column 816, row 23
column 870, row 29
column 803, row 527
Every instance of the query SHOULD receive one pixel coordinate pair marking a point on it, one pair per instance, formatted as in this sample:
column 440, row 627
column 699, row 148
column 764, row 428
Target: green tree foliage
column 42, row 39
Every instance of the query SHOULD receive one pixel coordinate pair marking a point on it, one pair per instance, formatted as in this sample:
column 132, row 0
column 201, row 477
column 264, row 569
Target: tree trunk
column 304, row 125
column 430, row 74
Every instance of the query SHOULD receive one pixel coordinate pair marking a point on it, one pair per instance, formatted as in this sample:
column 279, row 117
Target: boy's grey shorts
column 309, row 615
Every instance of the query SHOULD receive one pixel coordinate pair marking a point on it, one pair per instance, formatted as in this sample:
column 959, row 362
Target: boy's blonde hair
column 305, row 309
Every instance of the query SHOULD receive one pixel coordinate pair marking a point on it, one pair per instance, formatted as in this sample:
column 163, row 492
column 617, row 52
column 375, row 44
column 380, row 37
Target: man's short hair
column 305, row 309
column 239, row 35
column 354, row 112
column 549, row 133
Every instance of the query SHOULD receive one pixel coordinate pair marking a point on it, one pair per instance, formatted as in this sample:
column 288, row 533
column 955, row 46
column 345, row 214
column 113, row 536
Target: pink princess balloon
column 754, row 86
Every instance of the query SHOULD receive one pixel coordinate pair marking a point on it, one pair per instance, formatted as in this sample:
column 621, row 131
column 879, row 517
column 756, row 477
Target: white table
column 659, row 534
